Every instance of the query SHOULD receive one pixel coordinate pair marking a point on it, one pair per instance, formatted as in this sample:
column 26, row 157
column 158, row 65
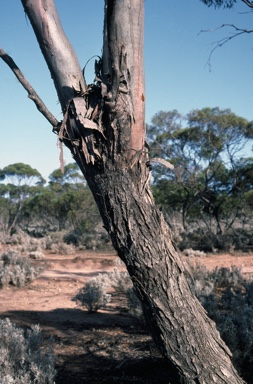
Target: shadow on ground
column 105, row 347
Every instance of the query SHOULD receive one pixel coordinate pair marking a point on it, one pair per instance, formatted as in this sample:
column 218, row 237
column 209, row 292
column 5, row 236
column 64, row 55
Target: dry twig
column 224, row 40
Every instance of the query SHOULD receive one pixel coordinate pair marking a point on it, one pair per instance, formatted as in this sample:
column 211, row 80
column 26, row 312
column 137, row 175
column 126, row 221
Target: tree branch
column 56, row 49
column 248, row 3
column 223, row 41
column 31, row 92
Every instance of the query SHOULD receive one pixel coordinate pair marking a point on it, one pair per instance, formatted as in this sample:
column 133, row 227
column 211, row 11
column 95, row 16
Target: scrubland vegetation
column 224, row 292
column 207, row 201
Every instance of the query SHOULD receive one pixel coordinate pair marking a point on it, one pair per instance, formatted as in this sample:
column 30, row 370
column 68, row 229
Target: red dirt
column 109, row 346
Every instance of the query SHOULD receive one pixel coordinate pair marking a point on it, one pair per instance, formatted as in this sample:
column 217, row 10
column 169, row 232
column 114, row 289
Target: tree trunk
column 178, row 323
column 103, row 126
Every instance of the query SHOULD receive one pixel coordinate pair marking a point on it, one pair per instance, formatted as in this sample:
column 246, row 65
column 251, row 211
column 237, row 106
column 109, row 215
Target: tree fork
column 104, row 129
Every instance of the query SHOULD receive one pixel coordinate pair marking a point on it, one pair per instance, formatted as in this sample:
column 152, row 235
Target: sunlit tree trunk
column 104, row 128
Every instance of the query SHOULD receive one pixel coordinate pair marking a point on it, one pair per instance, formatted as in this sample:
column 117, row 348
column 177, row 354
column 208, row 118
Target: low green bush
column 228, row 300
column 16, row 270
column 62, row 248
column 23, row 358
column 93, row 295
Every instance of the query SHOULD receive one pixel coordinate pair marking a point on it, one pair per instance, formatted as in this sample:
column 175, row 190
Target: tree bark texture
column 103, row 126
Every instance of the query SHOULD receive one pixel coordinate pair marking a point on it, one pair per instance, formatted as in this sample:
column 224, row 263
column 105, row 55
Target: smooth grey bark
column 103, row 126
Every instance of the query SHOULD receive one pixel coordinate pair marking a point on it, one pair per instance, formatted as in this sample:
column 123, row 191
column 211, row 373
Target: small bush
column 193, row 252
column 24, row 243
column 198, row 239
column 228, row 299
column 16, row 270
column 62, row 248
column 23, row 360
column 120, row 281
column 134, row 304
column 93, row 295
column 122, row 284
column 3, row 236
column 52, row 239
column 234, row 239
column 36, row 255
column 88, row 240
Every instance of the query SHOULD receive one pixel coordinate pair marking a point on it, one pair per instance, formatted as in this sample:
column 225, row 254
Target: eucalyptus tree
column 205, row 148
column 226, row 3
column 66, row 203
column 21, row 182
column 68, row 177
column 103, row 126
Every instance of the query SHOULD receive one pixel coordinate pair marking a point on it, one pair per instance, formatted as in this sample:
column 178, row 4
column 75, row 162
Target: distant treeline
column 207, row 198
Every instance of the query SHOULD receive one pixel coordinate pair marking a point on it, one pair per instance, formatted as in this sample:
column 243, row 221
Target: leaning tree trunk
column 103, row 126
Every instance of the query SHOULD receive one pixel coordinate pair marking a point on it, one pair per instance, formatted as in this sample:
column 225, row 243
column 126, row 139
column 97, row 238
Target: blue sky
column 177, row 75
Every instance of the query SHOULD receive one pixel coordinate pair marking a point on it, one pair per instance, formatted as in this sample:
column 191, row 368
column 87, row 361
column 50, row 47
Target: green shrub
column 24, row 243
column 234, row 239
column 36, row 255
column 134, row 304
column 93, row 295
column 62, row 248
column 23, row 360
column 228, row 299
column 122, row 284
column 16, row 270
column 120, row 281
column 193, row 253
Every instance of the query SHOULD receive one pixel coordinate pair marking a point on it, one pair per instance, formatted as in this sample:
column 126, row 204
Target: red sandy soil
column 110, row 346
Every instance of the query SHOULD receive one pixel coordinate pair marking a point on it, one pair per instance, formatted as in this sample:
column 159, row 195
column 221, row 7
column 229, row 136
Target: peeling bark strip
column 162, row 161
column 77, row 131
column 103, row 126
column 123, row 60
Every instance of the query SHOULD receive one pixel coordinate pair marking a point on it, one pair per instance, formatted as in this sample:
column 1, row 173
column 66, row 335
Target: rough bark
column 178, row 323
column 103, row 126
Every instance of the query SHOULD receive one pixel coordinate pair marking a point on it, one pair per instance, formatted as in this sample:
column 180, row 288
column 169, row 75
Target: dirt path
column 110, row 346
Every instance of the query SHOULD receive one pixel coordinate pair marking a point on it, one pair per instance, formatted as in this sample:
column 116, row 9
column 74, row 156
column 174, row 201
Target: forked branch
column 219, row 43
column 31, row 92
column 248, row 3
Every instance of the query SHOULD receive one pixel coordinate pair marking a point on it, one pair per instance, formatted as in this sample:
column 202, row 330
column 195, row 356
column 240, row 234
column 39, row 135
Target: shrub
column 197, row 239
column 16, row 270
column 134, row 304
column 233, row 239
column 93, row 295
column 120, row 281
column 36, row 255
column 62, row 248
column 228, row 299
column 25, row 243
column 193, row 252
column 3, row 236
column 23, row 360
column 227, row 277
column 122, row 284
column 88, row 239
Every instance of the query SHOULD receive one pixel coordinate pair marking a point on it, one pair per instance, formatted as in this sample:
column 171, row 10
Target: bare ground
column 110, row 346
